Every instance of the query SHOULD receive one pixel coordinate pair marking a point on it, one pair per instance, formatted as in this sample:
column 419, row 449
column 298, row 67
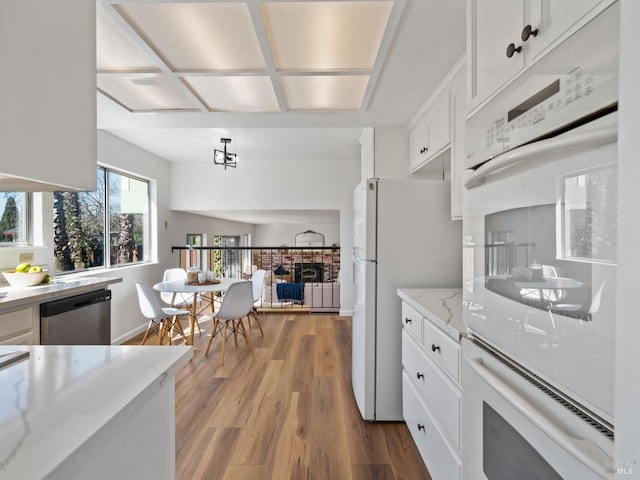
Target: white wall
column 627, row 381
column 277, row 234
column 126, row 319
column 285, row 184
column 184, row 223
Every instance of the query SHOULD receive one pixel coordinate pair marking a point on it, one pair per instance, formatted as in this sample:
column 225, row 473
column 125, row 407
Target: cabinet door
column 458, row 153
column 492, row 26
column 417, row 144
column 48, row 92
column 22, row 339
column 554, row 18
column 438, row 128
column 16, row 328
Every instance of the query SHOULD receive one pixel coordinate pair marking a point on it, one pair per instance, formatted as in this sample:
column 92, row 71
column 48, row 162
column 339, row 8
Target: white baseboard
column 346, row 313
column 129, row 335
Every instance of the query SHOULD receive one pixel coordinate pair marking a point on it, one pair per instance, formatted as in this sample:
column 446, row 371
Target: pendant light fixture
column 222, row 157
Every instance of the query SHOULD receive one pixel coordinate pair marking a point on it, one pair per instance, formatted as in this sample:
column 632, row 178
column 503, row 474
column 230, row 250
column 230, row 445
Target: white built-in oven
column 540, row 236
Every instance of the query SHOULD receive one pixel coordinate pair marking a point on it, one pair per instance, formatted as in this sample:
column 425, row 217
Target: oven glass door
column 512, row 430
column 540, row 267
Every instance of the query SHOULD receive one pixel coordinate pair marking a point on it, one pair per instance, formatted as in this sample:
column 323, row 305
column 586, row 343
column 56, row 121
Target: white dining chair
column 178, row 300
column 257, row 282
column 164, row 319
column 237, row 302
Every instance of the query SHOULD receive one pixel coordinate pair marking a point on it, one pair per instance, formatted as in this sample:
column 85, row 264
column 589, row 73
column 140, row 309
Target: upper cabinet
column 48, row 137
column 430, row 135
column 458, row 152
column 506, row 36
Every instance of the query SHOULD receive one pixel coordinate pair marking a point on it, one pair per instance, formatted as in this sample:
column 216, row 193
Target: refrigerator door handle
column 362, row 261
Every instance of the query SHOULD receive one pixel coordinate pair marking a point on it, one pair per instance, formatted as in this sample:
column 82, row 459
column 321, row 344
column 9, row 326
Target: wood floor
column 286, row 413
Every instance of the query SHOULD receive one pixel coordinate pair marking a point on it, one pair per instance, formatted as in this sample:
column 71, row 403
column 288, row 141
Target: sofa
column 318, row 297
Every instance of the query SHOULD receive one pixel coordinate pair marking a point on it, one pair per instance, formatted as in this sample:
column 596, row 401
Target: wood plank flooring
column 286, row 413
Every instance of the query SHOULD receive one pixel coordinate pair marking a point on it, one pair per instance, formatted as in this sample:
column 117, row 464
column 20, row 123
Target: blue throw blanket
column 290, row 291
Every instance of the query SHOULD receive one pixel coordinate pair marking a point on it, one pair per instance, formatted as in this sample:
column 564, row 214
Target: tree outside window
column 13, row 219
column 83, row 238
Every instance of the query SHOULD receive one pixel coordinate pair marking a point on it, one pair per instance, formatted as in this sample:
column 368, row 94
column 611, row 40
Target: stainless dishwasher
column 83, row 319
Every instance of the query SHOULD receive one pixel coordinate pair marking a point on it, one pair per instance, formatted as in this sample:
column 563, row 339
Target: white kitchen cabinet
column 432, row 396
column 16, row 328
column 458, row 152
column 554, row 19
column 492, row 25
column 48, row 95
column 504, row 37
column 431, row 134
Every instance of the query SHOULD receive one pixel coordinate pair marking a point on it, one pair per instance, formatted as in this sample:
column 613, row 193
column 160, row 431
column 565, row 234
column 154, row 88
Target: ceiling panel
column 324, row 92
column 325, row 36
column 198, row 36
column 116, row 50
column 235, row 93
column 145, row 93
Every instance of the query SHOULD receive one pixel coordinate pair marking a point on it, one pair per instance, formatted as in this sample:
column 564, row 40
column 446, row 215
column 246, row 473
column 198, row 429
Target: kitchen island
column 99, row 412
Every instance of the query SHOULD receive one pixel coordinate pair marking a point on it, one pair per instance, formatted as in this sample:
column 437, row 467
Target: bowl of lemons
column 26, row 275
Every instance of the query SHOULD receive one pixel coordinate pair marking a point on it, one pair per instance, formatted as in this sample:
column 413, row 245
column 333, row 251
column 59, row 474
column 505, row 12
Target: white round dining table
column 197, row 290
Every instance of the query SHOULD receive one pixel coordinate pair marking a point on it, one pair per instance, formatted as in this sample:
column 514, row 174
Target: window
column 85, row 237
column 226, row 263
column 14, row 218
column 589, row 216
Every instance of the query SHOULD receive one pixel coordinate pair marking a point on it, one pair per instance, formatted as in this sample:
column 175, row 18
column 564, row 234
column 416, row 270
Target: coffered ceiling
column 252, row 57
column 282, row 78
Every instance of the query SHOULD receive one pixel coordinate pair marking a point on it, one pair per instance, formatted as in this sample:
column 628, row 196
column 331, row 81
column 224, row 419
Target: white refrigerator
column 403, row 238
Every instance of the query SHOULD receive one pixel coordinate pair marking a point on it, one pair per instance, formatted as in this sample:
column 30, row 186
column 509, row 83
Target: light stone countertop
column 443, row 307
column 11, row 297
column 57, row 399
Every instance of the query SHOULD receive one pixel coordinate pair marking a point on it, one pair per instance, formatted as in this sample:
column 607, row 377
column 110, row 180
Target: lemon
column 23, row 268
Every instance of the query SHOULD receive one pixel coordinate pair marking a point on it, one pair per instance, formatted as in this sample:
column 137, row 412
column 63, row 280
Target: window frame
column 147, row 227
column 27, row 220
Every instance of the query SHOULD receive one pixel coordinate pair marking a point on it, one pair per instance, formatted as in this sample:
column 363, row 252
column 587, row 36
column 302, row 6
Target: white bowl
column 26, row 279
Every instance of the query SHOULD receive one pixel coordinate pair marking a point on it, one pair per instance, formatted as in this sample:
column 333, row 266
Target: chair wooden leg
column 161, row 331
column 180, row 329
column 254, row 313
column 172, row 329
column 206, row 352
column 246, row 337
column 146, row 332
column 234, row 327
column 224, row 341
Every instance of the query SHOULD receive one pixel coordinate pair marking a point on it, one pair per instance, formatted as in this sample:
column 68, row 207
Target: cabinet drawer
column 431, row 383
column 22, row 339
column 14, row 323
column 440, row 460
column 412, row 321
column 442, row 349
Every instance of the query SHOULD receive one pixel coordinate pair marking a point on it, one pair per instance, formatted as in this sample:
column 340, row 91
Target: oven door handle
column 585, row 451
column 531, row 155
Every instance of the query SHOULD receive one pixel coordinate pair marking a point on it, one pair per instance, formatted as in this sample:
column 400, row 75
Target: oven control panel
column 572, row 83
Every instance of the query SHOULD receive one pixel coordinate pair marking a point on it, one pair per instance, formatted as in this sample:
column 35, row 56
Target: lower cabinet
column 431, row 397
column 440, row 459
column 16, row 328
